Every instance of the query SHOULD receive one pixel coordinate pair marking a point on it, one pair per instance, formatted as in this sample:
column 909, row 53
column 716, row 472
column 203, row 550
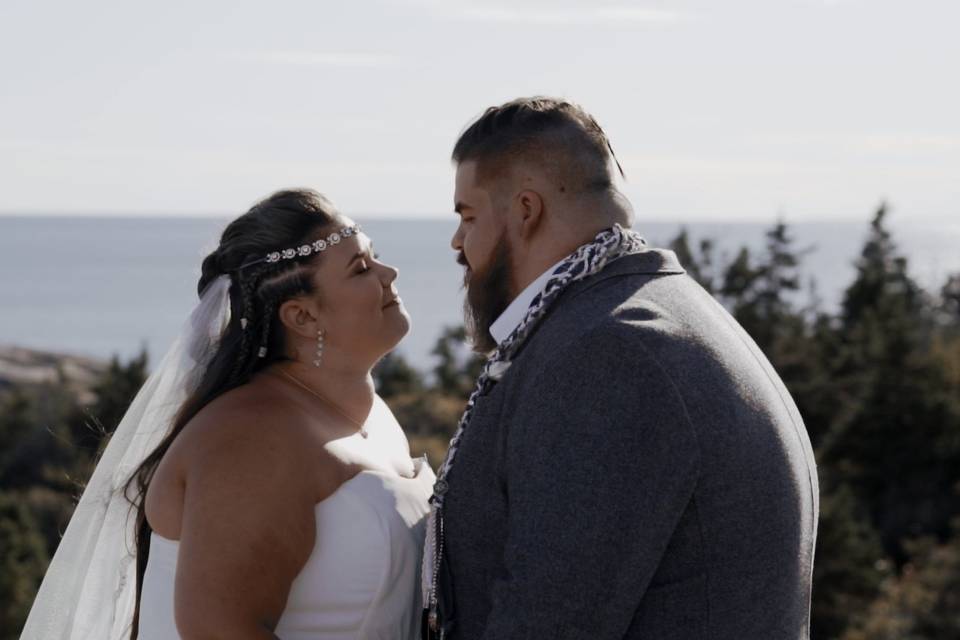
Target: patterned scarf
column 587, row 260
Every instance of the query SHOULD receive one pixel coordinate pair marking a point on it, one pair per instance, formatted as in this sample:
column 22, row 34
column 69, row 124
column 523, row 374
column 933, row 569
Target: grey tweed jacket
column 640, row 471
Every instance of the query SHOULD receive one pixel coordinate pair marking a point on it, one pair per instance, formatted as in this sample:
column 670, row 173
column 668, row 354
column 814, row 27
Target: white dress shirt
column 504, row 325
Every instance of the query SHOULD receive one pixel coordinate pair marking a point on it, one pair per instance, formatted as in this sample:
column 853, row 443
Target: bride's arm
column 248, row 528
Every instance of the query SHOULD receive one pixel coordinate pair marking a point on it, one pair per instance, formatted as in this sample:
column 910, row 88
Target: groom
column 630, row 466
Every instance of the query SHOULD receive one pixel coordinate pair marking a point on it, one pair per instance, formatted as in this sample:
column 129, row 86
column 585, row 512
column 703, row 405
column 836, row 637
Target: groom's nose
column 456, row 242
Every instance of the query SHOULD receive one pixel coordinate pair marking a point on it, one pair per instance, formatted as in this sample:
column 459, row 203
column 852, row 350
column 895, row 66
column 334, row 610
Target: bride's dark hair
column 284, row 220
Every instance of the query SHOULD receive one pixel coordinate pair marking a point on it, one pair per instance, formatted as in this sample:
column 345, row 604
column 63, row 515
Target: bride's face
column 357, row 303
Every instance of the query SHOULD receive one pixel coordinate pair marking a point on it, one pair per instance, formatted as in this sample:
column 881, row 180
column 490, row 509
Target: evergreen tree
column 849, row 564
column 808, row 369
column 113, row 392
column 38, row 446
column 740, row 280
column 15, row 422
column 394, row 376
column 779, row 276
column 922, row 601
column 883, row 290
column 896, row 440
column 700, row 268
column 950, row 303
column 23, row 560
column 458, row 367
column 759, row 293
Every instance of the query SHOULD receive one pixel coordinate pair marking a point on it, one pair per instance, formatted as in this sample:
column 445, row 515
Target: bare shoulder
column 256, row 436
column 248, row 512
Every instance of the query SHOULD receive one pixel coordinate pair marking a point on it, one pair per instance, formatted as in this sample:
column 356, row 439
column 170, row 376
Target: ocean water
column 105, row 286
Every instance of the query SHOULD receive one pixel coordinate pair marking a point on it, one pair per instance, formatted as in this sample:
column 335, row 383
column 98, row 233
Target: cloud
column 568, row 15
column 911, row 142
column 549, row 13
column 672, row 165
column 869, row 142
column 346, row 60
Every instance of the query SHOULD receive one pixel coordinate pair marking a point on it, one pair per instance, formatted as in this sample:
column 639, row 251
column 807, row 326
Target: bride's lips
column 394, row 302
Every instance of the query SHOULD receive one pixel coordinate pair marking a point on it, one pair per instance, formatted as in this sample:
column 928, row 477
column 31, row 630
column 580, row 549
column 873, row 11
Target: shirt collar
column 504, row 325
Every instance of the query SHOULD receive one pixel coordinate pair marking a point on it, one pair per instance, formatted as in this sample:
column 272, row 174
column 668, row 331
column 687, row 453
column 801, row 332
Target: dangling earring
column 319, row 358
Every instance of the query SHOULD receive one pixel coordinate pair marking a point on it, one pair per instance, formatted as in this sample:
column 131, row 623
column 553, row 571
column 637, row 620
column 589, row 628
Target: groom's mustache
column 488, row 294
column 467, row 272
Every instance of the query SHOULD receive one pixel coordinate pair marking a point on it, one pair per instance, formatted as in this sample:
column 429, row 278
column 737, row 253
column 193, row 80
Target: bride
column 273, row 494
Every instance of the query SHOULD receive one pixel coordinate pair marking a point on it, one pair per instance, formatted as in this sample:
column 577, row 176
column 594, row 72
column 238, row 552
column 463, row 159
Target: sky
column 733, row 110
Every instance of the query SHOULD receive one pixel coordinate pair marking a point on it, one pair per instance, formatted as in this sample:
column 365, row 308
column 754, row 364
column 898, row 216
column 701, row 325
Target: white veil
column 89, row 590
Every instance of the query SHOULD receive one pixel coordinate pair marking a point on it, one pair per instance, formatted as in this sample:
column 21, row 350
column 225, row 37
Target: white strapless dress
column 360, row 582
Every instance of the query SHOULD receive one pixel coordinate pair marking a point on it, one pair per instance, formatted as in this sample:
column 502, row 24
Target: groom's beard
column 488, row 296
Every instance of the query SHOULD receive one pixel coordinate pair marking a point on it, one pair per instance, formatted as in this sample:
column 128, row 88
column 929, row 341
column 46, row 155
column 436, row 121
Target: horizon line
column 451, row 217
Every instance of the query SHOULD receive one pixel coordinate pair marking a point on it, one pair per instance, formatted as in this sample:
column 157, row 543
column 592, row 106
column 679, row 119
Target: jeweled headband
column 307, row 249
column 302, row 251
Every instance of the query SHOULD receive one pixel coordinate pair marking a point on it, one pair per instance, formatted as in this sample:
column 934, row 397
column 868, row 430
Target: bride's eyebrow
column 360, row 254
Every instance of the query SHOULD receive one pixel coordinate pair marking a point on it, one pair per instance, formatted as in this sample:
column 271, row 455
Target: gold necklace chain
column 326, row 401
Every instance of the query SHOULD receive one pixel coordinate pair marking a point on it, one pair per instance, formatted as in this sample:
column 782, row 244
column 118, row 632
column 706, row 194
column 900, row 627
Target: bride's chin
column 399, row 326
column 406, row 328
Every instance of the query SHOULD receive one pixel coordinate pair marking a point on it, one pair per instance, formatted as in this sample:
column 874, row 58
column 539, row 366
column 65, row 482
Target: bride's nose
column 389, row 274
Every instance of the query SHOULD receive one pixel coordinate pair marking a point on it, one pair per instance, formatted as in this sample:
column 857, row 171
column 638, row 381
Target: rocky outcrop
column 20, row 366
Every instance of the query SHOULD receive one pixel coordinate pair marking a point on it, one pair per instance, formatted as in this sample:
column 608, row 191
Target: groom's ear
column 298, row 317
column 529, row 209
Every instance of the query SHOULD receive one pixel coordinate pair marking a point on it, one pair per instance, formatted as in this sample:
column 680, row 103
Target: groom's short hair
column 549, row 132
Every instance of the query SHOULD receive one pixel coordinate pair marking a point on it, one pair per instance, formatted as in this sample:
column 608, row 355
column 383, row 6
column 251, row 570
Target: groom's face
column 483, row 247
